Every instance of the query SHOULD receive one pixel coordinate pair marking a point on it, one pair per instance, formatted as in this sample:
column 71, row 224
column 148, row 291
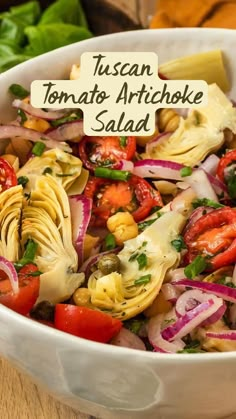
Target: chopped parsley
column 38, row 148
column 142, row 261
column 123, row 142
column 205, row 202
column 231, row 183
column 197, row 266
column 18, row 91
column 186, row 171
column 66, row 119
column 145, row 279
column 145, row 224
column 110, row 242
column 178, row 244
column 22, row 116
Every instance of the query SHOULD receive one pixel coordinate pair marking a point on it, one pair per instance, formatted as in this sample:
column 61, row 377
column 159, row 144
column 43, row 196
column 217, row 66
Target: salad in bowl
column 124, row 240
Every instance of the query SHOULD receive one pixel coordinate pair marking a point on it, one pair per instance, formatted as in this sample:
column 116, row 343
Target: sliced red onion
column 157, row 341
column 158, row 140
column 222, row 291
column 9, row 269
column 201, row 185
column 128, row 339
column 67, row 131
column 218, row 186
column 126, row 165
column 234, row 276
column 87, row 265
column 228, row 335
column 210, row 164
column 80, row 207
column 183, row 201
column 192, row 298
column 163, row 169
column 9, row 131
column 170, row 292
column 193, row 318
column 37, row 113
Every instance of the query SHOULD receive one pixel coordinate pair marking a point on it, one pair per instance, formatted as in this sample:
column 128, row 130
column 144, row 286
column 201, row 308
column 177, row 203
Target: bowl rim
column 84, row 344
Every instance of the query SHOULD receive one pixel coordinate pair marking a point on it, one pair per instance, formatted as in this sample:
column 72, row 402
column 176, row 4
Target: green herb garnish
column 123, row 141
column 134, row 325
column 18, row 91
column 38, row 148
column 133, row 257
column 155, row 209
column 22, row 116
column 65, row 119
column 231, row 184
column 112, row 174
column 178, row 244
column 142, row 261
column 205, row 202
column 145, row 224
column 186, row 171
column 145, row 279
column 23, row 180
column 110, row 242
column 28, row 256
column 197, row 266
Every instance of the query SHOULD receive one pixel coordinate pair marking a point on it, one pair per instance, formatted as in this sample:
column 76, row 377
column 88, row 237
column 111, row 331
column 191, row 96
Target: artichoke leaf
column 56, row 257
column 11, row 202
column 63, row 166
column 118, row 293
column 201, row 133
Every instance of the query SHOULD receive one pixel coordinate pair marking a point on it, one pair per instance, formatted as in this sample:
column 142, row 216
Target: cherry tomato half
column 106, row 151
column 86, row 323
column 7, row 175
column 213, row 236
column 23, row 301
column 109, row 196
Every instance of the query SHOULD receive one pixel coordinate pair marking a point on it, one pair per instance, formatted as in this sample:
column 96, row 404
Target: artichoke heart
column 201, row 133
column 11, row 202
column 131, row 291
column 46, row 219
column 63, row 166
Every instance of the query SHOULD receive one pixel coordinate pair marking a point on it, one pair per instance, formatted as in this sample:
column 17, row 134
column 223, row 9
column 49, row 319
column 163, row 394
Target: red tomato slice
column 7, row 175
column 213, row 236
column 106, row 151
column 24, row 300
column 225, row 161
column 135, row 196
column 86, row 323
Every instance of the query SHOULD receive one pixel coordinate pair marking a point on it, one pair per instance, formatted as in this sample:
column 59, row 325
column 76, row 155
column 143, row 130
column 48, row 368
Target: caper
column 43, row 311
column 109, row 263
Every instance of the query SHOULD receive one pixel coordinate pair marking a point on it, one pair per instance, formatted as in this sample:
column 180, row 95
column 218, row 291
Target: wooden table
column 21, row 399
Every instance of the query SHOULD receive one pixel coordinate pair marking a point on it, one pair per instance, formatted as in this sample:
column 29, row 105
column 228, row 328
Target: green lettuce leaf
column 44, row 38
column 64, row 11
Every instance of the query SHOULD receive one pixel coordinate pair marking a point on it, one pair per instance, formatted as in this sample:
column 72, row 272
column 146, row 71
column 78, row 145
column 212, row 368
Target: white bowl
column 102, row 380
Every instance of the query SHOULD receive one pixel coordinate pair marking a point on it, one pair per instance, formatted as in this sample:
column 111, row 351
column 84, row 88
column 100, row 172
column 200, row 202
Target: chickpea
column 159, row 306
column 37, row 124
column 122, row 226
column 81, row 297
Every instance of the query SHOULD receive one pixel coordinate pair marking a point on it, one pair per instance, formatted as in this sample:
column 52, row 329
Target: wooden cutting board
column 21, row 399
